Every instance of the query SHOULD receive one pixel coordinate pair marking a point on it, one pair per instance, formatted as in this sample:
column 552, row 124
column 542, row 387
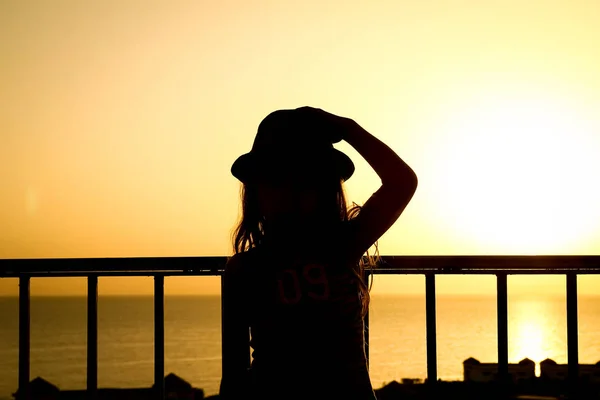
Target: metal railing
column 159, row 267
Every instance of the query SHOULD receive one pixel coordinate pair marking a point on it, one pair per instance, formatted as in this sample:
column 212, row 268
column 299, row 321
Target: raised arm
column 235, row 331
column 398, row 185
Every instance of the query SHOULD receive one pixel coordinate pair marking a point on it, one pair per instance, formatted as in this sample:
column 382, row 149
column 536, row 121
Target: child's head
column 292, row 178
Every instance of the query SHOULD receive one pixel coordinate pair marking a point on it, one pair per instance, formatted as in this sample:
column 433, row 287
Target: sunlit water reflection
column 537, row 329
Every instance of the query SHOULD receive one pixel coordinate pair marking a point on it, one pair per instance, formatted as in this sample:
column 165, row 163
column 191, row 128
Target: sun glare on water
column 537, row 330
column 516, row 174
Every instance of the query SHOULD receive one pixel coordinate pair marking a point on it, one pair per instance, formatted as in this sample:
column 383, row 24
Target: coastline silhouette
column 480, row 381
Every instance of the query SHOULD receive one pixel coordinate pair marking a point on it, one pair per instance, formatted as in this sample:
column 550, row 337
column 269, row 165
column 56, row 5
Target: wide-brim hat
column 288, row 145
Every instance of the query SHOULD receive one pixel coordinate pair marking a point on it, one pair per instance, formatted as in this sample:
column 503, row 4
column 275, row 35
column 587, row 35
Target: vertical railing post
column 572, row 331
column 223, row 361
column 366, row 319
column 431, row 328
column 92, row 337
column 159, row 336
column 24, row 337
column 502, row 318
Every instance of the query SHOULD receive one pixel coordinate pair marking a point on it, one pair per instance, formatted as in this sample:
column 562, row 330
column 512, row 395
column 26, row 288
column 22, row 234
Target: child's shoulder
column 239, row 262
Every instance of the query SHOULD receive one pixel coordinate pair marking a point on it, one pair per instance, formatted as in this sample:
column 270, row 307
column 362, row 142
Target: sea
column 466, row 327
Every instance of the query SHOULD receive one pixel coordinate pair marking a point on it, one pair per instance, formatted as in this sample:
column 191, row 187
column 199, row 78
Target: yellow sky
column 119, row 121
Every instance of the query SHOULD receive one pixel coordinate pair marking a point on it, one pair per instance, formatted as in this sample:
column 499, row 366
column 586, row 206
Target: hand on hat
column 335, row 125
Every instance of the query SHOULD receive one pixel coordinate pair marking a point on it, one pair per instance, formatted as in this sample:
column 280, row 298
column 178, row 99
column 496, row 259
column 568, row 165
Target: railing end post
column 572, row 333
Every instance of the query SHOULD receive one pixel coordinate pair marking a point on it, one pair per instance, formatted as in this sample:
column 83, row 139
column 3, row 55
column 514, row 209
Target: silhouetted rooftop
column 175, row 388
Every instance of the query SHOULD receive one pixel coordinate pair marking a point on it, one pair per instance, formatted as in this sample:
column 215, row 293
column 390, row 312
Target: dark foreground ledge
column 177, row 388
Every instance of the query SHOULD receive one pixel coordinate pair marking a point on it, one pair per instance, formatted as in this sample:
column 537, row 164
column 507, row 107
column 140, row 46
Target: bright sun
column 517, row 174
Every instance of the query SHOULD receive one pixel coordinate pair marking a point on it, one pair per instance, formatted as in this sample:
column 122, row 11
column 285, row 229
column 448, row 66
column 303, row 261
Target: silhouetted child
column 294, row 290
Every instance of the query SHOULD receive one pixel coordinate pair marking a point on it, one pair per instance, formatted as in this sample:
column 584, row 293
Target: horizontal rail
column 117, row 266
column 202, row 266
column 159, row 267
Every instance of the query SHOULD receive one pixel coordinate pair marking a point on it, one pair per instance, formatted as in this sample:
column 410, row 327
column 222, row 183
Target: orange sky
column 119, row 122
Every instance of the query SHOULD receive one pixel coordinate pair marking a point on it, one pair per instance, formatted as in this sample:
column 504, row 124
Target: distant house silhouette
column 176, row 388
column 476, row 371
column 40, row 389
column 550, row 370
column 392, row 390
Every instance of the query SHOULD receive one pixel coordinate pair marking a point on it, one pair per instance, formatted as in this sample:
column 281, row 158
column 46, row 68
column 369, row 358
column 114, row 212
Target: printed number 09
column 314, row 285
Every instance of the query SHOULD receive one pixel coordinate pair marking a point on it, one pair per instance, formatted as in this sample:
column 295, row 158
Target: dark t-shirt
column 307, row 331
column 304, row 313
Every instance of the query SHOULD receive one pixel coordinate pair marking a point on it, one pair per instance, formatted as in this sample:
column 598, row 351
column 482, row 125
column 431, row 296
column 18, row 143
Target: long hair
column 249, row 231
